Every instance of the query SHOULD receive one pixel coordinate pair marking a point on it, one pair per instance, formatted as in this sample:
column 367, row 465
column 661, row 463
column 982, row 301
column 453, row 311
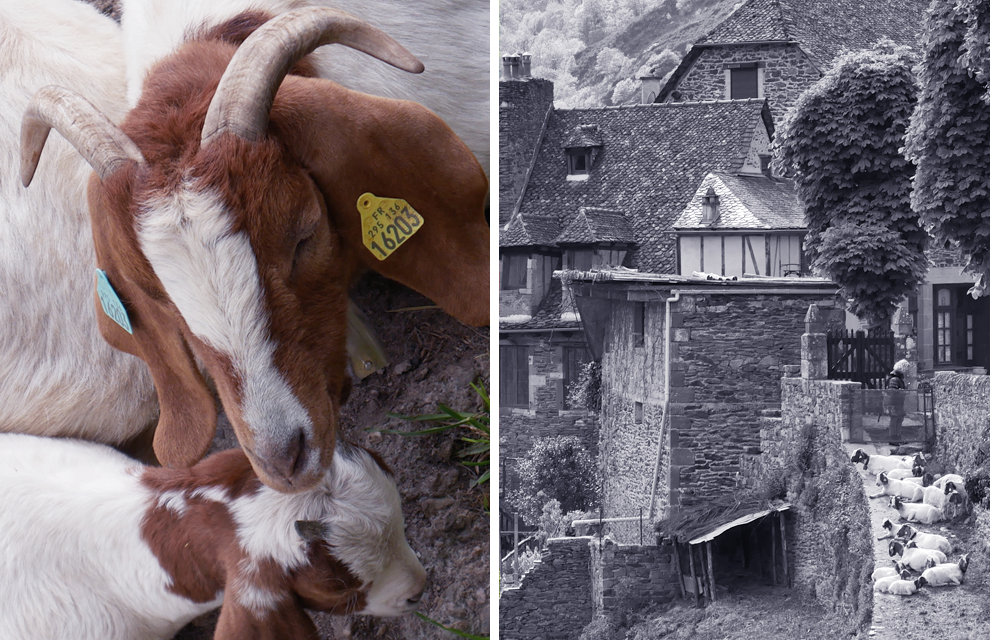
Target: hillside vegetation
column 595, row 51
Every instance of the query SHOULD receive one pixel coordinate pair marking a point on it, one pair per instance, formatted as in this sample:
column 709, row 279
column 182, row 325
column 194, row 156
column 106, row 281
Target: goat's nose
column 288, row 459
column 414, row 599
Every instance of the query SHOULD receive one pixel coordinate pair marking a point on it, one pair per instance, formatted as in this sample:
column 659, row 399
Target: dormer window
column 578, row 163
column 744, row 80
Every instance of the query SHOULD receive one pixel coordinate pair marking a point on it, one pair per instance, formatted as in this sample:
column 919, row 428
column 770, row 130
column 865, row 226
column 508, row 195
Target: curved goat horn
column 104, row 146
column 248, row 86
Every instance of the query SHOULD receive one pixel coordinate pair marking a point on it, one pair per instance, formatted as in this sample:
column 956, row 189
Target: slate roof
column 652, row 159
column 547, row 316
column 746, row 202
column 584, row 135
column 531, row 231
column 592, row 225
column 823, row 29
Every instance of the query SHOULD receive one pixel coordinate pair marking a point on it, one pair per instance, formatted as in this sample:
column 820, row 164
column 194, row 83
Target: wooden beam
column 694, row 579
column 783, row 546
column 711, row 573
column 677, row 568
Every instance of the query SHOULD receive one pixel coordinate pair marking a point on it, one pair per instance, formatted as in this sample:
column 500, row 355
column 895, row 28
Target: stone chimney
column 709, row 207
column 510, row 67
column 525, row 60
column 651, row 86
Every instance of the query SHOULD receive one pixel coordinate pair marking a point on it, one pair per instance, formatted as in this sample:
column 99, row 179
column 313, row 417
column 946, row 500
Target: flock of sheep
column 920, row 558
column 189, row 235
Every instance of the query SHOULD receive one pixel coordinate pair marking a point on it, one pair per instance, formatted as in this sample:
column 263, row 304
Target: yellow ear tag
column 386, row 223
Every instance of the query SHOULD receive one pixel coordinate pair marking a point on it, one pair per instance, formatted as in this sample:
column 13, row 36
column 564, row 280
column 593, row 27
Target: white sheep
column 925, row 540
column 948, row 573
column 911, row 556
column 890, row 487
column 950, row 477
column 874, row 463
column 906, row 587
column 923, row 513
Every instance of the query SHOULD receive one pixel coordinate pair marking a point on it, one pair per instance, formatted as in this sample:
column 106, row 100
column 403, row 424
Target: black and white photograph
column 743, row 319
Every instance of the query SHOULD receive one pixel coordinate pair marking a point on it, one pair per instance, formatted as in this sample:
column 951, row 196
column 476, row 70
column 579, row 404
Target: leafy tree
column 841, row 143
column 949, row 136
column 556, row 468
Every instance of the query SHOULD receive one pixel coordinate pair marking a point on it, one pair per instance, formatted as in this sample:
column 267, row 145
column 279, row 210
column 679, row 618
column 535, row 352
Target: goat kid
column 227, row 217
column 884, row 581
column 444, row 33
column 912, row 556
column 94, row 545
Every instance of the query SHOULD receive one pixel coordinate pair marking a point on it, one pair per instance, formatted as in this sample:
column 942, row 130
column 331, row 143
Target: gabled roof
column 746, row 202
column 531, row 231
column 652, row 159
column 592, row 226
column 823, row 29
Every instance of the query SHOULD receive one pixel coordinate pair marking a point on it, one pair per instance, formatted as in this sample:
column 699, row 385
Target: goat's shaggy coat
column 94, row 545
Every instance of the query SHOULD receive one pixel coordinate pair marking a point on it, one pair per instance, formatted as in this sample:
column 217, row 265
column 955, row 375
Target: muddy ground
column 434, row 359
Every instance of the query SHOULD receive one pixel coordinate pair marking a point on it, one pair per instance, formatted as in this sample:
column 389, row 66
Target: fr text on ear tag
column 112, row 306
column 386, row 223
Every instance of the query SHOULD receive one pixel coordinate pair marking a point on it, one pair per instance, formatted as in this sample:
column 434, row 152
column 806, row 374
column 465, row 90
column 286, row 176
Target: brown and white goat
column 227, row 216
column 96, row 546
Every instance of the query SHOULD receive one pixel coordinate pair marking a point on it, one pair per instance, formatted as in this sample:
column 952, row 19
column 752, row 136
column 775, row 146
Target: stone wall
column 727, row 354
column 962, row 421
column 787, row 73
column 554, row 599
column 631, row 577
column 523, row 106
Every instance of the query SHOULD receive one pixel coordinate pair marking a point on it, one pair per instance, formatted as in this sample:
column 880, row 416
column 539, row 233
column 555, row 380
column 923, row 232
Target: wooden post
column 759, row 550
column 677, row 568
column 515, row 541
column 783, row 546
column 711, row 573
column 773, row 552
column 694, row 579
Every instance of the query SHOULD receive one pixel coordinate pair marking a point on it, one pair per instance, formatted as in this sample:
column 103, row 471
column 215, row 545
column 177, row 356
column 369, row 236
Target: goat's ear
column 311, row 530
column 354, row 144
column 188, row 414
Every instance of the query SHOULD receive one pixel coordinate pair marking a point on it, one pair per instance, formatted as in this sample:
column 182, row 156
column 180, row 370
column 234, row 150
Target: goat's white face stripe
column 211, row 274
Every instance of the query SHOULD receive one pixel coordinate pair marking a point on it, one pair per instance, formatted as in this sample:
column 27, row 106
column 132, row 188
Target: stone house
column 594, row 189
column 775, row 49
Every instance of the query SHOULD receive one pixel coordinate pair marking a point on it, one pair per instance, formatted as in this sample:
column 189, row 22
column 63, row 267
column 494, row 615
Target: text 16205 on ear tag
column 386, row 223
column 112, row 306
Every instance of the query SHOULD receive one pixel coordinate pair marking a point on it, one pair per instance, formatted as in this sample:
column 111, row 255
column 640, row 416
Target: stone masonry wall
column 631, row 577
column 523, row 106
column 787, row 73
column 729, row 350
column 727, row 353
column 962, row 421
column 627, row 450
column 554, row 599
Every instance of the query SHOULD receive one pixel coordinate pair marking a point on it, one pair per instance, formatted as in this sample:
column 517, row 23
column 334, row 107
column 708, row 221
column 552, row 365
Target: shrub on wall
column 556, row 468
column 586, row 391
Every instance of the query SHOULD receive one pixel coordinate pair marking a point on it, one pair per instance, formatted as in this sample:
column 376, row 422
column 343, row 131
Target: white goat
column 906, row 587
column 890, row 487
column 925, row 540
column 955, row 478
column 449, row 36
column 948, row 573
column 59, row 376
column 923, row 513
column 96, row 546
column 937, row 497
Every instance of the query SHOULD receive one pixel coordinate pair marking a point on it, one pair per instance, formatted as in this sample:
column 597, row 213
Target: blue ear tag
column 112, row 306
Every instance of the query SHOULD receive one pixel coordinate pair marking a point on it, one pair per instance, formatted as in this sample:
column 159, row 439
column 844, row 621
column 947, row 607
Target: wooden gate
column 861, row 357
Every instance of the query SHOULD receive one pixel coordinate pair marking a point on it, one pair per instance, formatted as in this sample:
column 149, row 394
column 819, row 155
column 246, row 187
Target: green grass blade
column 454, row 631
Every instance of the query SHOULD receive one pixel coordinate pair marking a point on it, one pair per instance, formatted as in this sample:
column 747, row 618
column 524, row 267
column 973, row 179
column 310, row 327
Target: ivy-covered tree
column 841, row 144
column 949, row 135
column 556, row 468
